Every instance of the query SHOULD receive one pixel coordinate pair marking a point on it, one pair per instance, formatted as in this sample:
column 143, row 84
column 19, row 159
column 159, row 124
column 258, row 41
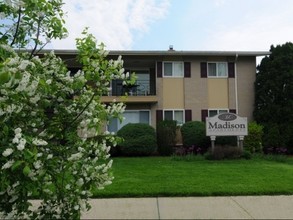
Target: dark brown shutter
column 203, row 70
column 187, row 69
column 232, row 111
column 159, row 115
column 188, row 115
column 204, row 114
column 152, row 82
column 231, row 70
column 159, row 69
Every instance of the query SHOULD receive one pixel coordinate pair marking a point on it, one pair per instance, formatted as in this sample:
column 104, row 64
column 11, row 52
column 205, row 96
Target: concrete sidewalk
column 235, row 207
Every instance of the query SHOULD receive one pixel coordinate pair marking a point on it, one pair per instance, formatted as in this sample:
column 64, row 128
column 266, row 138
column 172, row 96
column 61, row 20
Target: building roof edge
column 169, row 52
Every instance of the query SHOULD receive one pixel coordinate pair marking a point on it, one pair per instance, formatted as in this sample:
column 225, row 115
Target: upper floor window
column 217, row 69
column 173, row 69
column 176, row 115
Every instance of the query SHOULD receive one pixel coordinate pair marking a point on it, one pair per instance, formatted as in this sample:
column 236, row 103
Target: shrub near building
column 166, row 135
column 253, row 141
column 138, row 140
column 194, row 136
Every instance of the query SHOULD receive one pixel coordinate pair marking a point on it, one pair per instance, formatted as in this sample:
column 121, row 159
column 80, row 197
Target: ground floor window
column 131, row 116
column 213, row 112
column 176, row 115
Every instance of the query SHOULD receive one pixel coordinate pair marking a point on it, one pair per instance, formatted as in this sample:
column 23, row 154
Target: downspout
column 236, row 93
column 236, row 83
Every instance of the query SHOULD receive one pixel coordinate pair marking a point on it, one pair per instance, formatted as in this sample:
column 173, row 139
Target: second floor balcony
column 143, row 91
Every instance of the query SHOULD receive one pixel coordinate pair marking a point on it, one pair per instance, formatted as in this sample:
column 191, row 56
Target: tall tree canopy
column 274, row 95
column 31, row 24
column 53, row 142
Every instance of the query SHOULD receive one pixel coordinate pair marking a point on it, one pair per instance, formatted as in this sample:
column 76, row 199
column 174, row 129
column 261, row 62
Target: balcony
column 143, row 91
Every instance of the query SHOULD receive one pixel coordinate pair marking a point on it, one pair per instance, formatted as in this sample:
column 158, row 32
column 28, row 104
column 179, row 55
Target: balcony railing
column 140, row 88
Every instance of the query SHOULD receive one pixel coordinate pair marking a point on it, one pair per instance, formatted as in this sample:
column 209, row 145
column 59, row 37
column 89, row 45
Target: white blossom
column 38, row 164
column 21, row 144
column 18, row 135
column 80, row 182
column 75, row 156
column 39, row 142
column 23, row 64
column 14, row 197
column 35, row 99
column 17, row 130
column 7, row 152
column 15, row 140
column 8, row 164
column 15, row 184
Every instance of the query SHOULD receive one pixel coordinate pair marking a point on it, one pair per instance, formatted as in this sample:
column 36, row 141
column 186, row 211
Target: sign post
column 226, row 124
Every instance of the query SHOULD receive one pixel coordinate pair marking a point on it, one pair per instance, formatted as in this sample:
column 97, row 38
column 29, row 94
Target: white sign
column 226, row 124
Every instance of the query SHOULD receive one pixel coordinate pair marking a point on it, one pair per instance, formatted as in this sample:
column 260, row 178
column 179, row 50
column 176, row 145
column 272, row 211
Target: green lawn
column 164, row 176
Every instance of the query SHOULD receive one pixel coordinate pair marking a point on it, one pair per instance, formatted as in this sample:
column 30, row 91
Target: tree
column 274, row 95
column 31, row 23
column 53, row 145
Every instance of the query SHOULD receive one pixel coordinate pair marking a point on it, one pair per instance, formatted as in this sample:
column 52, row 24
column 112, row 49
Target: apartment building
column 182, row 85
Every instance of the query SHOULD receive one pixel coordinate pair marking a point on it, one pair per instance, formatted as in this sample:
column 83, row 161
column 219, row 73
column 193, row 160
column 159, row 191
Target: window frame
column 218, row 111
column 172, row 75
column 132, row 110
column 173, row 115
column 217, row 71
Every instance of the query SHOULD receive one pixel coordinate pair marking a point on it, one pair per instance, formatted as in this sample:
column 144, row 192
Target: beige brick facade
column 193, row 92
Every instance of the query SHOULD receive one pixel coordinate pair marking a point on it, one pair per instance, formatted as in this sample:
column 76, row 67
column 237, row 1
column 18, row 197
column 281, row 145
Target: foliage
column 246, row 155
column 166, row 135
column 53, row 143
column 274, row 96
column 224, row 152
column 226, row 140
column 194, row 133
column 139, row 139
column 31, row 23
column 191, row 150
column 253, row 141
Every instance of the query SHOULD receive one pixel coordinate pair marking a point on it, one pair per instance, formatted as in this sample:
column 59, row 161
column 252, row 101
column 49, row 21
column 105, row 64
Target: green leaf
column 26, row 170
column 4, row 77
column 28, row 154
column 16, row 165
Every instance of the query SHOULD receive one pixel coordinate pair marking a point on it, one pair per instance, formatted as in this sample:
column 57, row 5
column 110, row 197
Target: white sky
column 249, row 25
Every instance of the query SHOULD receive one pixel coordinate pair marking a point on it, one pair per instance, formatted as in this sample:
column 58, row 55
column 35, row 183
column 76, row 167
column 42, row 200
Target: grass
column 194, row 176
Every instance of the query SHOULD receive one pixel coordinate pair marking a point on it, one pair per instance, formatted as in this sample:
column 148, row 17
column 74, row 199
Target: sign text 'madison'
column 226, row 124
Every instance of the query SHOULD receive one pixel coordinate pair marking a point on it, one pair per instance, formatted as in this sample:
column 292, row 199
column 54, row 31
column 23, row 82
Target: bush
column 246, row 155
column 253, row 142
column 272, row 136
column 226, row 140
column 139, row 140
column 166, row 135
column 194, row 134
column 224, row 152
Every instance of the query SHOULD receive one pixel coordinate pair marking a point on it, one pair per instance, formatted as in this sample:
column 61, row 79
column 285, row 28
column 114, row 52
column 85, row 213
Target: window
column 173, row 69
column 213, row 112
column 176, row 115
column 131, row 116
column 217, row 69
column 142, row 82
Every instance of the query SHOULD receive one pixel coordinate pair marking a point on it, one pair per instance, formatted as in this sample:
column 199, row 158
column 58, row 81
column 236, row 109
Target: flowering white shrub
column 53, row 142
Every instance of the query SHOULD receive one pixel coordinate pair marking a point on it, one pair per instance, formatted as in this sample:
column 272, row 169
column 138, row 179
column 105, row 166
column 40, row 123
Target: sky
column 212, row 25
